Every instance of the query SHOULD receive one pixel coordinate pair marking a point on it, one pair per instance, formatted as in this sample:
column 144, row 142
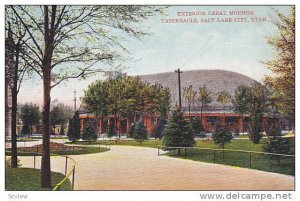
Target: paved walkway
column 138, row 168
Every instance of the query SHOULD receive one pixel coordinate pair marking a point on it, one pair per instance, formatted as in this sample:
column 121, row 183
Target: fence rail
column 272, row 162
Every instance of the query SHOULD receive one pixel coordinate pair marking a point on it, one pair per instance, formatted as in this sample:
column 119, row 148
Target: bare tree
column 15, row 70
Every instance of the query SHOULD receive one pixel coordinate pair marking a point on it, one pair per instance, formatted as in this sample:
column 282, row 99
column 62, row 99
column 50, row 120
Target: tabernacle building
column 212, row 114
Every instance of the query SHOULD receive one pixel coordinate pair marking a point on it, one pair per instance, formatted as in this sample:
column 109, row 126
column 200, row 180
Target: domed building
column 212, row 114
column 215, row 81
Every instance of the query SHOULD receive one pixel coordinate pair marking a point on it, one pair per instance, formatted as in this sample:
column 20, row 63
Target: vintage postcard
column 151, row 98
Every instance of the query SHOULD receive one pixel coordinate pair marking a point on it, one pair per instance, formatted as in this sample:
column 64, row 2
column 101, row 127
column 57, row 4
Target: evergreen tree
column 159, row 128
column 89, row 133
column 62, row 130
column 74, row 128
column 140, row 132
column 277, row 144
column 198, row 127
column 179, row 132
column 111, row 129
column 222, row 136
column 25, row 130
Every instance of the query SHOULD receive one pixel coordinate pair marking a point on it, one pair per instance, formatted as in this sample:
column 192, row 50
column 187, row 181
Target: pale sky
column 234, row 46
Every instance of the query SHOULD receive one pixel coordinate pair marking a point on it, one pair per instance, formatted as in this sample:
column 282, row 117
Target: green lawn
column 286, row 165
column 146, row 143
column 85, row 150
column 239, row 144
column 28, row 179
column 23, row 140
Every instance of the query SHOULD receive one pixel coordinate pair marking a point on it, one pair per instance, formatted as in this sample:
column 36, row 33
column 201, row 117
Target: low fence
column 272, row 162
column 67, row 173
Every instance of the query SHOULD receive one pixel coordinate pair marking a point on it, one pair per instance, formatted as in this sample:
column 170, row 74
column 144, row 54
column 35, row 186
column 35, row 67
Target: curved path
column 139, row 168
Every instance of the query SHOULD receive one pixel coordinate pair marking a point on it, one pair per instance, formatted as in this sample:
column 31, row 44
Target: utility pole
column 179, row 85
column 74, row 100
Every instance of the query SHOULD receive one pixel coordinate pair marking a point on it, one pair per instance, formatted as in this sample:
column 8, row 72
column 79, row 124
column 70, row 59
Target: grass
column 23, row 140
column 28, row 179
column 146, row 143
column 235, row 144
column 286, row 165
column 84, row 150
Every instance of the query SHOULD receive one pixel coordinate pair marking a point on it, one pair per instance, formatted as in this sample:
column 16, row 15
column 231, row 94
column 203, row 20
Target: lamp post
column 179, row 85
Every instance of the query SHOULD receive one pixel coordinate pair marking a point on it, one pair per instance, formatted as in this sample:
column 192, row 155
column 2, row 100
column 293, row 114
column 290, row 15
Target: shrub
column 198, row 127
column 159, row 128
column 25, row 130
column 179, row 132
column 62, row 131
column 74, row 128
column 89, row 133
column 111, row 129
column 222, row 136
column 140, row 132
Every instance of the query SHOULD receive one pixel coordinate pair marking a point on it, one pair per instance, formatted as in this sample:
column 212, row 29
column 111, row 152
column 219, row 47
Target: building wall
column 234, row 122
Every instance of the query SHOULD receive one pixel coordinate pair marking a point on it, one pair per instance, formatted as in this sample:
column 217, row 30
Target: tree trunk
column 46, row 67
column 14, row 151
column 45, row 166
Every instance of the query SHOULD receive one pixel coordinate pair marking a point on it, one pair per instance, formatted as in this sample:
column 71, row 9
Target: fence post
column 184, row 152
column 99, row 146
column 66, row 166
column 33, row 160
column 214, row 156
column 73, row 178
column 250, row 159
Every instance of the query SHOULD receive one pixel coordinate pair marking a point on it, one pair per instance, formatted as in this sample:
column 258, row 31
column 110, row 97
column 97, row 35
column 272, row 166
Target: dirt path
column 138, row 168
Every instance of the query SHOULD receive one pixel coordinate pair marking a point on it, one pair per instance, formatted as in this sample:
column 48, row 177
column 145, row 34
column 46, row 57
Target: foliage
column 130, row 131
column 25, row 130
column 126, row 96
column 222, row 136
column 179, row 132
column 158, row 129
column 89, row 133
column 241, row 100
column 257, row 107
column 204, row 98
column 276, row 143
column 62, row 130
column 283, row 65
column 30, row 115
column 111, row 129
column 60, row 114
column 224, row 98
column 252, row 100
column 198, row 127
column 74, row 128
column 190, row 96
column 140, row 132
